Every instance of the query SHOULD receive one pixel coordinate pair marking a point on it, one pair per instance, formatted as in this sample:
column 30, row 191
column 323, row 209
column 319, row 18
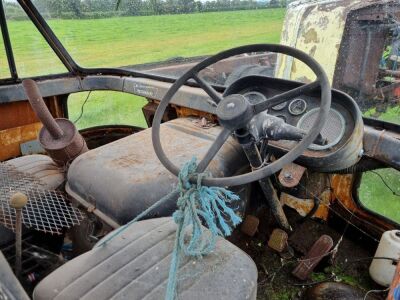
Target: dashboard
column 343, row 129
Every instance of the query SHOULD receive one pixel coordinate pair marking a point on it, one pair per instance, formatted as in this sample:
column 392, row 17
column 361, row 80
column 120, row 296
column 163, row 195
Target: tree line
column 93, row 9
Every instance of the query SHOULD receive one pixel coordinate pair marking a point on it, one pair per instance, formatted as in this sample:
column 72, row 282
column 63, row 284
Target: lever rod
column 254, row 157
column 35, row 99
column 18, row 202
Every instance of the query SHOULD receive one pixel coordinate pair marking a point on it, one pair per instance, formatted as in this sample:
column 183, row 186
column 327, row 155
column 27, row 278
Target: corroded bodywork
column 320, row 27
column 310, row 26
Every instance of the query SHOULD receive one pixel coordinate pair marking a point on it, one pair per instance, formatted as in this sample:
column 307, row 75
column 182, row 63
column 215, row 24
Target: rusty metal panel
column 311, row 26
column 363, row 42
column 19, row 124
column 10, row 139
column 318, row 28
column 346, row 207
column 382, row 145
column 358, row 63
column 305, row 206
column 16, row 114
column 125, row 177
column 291, row 175
column 149, row 111
column 184, row 112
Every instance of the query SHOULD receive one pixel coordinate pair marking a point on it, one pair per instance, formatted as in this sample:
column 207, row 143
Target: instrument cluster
column 343, row 128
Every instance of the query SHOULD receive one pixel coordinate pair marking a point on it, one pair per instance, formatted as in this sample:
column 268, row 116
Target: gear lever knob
column 18, row 201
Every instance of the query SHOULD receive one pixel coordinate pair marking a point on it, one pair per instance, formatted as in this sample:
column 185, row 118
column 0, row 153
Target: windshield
column 356, row 45
column 98, row 34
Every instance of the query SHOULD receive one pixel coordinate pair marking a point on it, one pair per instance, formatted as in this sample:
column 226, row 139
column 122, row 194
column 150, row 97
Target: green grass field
column 376, row 196
column 392, row 114
column 125, row 41
column 134, row 40
column 373, row 192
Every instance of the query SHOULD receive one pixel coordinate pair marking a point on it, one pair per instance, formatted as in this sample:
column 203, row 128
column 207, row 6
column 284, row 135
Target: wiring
column 375, row 291
column 385, row 183
column 83, row 107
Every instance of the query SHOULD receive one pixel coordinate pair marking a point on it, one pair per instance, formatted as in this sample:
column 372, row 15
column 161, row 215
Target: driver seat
column 135, row 265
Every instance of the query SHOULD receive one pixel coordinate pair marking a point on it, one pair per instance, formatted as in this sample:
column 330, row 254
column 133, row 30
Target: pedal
column 250, row 225
column 317, row 252
column 278, row 240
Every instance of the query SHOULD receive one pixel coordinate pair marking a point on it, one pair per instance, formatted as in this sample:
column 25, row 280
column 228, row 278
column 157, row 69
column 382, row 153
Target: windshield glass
column 33, row 56
column 4, row 70
column 357, row 46
column 98, row 34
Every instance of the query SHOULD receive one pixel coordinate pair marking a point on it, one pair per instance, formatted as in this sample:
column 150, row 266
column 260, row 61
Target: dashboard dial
column 279, row 106
column 297, row 106
column 254, row 97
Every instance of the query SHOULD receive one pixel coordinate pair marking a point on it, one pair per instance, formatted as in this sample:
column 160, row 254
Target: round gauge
column 333, row 130
column 280, row 106
column 297, row 106
column 254, row 97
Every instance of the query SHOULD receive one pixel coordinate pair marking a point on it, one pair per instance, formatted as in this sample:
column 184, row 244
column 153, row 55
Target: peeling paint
column 311, row 36
column 313, row 49
column 10, row 139
column 317, row 29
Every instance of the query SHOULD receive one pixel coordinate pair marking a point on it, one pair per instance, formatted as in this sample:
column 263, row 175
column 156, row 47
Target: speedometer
column 297, row 106
column 333, row 131
column 254, row 97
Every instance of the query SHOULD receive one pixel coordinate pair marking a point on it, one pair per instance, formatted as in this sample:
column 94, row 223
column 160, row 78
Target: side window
column 89, row 109
column 33, row 56
column 387, row 105
column 4, row 69
column 379, row 192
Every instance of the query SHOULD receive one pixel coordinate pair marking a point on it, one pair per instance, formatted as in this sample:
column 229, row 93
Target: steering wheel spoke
column 214, row 95
column 219, row 142
column 275, row 100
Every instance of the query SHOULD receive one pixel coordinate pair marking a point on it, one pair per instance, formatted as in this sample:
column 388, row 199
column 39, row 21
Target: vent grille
column 47, row 211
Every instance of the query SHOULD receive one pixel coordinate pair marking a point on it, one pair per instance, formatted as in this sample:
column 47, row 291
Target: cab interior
column 294, row 152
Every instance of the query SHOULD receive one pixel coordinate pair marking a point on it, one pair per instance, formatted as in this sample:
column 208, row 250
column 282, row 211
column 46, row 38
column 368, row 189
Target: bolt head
column 18, row 200
column 230, row 105
column 288, row 175
column 234, row 111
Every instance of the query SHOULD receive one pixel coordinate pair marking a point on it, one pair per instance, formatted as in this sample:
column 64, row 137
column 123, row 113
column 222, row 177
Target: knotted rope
column 196, row 203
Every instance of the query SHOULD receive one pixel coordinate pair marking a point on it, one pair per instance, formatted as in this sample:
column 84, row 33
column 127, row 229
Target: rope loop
column 198, row 204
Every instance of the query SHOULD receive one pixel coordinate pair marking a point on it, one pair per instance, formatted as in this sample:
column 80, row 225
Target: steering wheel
column 235, row 112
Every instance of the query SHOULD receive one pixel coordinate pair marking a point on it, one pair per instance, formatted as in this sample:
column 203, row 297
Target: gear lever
column 18, row 202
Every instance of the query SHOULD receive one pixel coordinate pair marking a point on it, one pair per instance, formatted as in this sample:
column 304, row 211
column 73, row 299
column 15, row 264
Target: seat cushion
column 135, row 265
column 123, row 178
column 42, row 168
column 10, row 288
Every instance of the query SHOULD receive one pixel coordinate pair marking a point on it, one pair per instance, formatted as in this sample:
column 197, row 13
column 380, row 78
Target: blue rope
column 396, row 293
column 196, row 203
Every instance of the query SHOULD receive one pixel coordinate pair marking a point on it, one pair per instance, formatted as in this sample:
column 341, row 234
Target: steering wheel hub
column 234, row 111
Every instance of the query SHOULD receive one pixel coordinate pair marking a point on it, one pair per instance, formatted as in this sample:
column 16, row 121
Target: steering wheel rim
column 278, row 164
